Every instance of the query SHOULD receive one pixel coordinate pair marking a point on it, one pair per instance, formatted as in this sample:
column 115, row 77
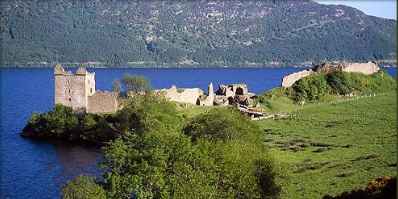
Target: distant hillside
column 190, row 33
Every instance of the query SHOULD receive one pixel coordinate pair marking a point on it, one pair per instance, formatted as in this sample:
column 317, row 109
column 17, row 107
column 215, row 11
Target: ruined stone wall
column 289, row 80
column 90, row 84
column 188, row 95
column 102, row 102
column 209, row 99
column 365, row 68
column 239, row 89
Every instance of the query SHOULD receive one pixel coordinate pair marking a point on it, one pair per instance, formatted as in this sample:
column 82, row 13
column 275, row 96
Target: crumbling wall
column 231, row 90
column 209, row 99
column 289, row 80
column 102, row 102
column 182, row 95
column 90, row 84
column 365, row 68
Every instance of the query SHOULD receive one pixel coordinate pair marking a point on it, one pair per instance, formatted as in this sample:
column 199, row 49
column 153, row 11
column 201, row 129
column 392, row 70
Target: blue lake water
column 36, row 169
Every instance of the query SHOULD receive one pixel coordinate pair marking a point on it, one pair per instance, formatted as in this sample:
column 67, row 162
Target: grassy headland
column 341, row 138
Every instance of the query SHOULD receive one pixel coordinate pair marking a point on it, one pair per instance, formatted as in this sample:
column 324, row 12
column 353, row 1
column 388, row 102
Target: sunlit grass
column 329, row 148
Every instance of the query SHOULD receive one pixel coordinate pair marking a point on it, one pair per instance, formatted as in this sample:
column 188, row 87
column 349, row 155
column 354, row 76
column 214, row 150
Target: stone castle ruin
column 231, row 94
column 364, row 68
column 78, row 92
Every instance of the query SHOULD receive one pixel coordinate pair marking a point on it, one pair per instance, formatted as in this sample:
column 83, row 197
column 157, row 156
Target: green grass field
column 329, row 148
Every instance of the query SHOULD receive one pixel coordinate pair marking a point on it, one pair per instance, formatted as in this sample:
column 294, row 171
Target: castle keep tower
column 73, row 90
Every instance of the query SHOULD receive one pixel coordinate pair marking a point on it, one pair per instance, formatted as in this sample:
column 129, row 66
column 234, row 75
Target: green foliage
column 218, row 154
column 226, row 160
column 236, row 146
column 310, row 88
column 136, row 84
column 323, row 87
column 265, row 175
column 146, row 113
column 57, row 122
column 220, row 124
column 141, row 113
column 154, row 166
column 345, row 83
column 333, row 147
column 83, row 187
column 63, row 123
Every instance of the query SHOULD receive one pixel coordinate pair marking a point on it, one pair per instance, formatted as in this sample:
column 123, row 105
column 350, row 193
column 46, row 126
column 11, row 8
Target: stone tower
column 211, row 97
column 73, row 90
column 211, row 90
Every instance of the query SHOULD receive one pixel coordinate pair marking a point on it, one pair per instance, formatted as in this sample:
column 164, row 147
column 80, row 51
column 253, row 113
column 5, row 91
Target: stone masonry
column 78, row 92
column 182, row 95
column 230, row 94
column 364, row 68
column 289, row 80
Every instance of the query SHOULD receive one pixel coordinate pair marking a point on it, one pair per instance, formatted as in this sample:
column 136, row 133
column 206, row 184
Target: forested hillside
column 189, row 33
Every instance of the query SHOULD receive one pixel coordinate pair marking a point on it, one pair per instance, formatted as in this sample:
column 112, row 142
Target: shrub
column 63, row 123
column 226, row 160
column 83, row 187
column 340, row 83
column 310, row 88
column 220, row 124
column 136, row 84
column 265, row 175
column 54, row 123
column 319, row 86
column 158, row 166
column 239, row 154
column 145, row 113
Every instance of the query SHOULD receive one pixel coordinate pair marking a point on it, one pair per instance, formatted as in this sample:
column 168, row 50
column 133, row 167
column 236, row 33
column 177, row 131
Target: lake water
column 37, row 169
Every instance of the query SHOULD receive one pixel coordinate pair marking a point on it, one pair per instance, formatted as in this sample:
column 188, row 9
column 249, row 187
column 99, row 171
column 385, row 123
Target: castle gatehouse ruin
column 78, row 92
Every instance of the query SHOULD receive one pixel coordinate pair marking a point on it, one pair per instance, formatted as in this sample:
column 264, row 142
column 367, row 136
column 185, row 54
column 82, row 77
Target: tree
column 83, row 187
column 116, row 86
column 136, row 84
column 221, row 124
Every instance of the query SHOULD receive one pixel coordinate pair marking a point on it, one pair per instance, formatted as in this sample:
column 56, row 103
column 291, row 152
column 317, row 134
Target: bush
column 319, row 86
column 226, row 160
column 52, row 124
column 240, row 157
column 145, row 113
column 310, row 88
column 341, row 83
column 265, row 175
column 83, row 187
column 63, row 123
column 157, row 166
column 136, row 84
column 220, row 124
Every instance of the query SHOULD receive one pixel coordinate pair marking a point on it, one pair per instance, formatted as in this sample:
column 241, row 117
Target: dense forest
column 189, row 33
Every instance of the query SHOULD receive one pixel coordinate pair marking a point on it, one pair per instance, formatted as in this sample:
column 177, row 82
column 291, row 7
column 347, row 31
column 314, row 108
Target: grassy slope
column 334, row 147
column 328, row 148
